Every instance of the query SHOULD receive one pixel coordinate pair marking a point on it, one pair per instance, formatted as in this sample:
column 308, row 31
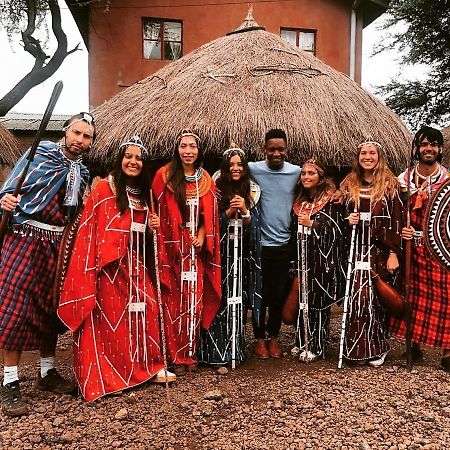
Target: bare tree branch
column 40, row 71
column 32, row 45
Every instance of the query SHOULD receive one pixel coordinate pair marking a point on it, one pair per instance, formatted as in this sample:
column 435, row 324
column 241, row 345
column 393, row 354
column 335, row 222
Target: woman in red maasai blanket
column 191, row 258
column 109, row 297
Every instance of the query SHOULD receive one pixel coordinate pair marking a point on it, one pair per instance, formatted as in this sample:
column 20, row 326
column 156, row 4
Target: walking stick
column 191, row 275
column 44, row 122
column 158, row 293
column 236, row 291
column 408, row 251
column 303, row 293
column 347, row 294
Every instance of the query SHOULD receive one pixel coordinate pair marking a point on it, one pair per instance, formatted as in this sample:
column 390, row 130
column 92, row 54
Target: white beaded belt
column 44, row 226
column 42, row 231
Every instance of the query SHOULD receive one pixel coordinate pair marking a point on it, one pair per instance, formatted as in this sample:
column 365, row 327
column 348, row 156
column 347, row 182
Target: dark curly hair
column 433, row 135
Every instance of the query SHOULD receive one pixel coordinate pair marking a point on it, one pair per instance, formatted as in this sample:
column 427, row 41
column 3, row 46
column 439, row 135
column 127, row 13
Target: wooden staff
column 44, row 122
column 158, row 292
column 408, row 251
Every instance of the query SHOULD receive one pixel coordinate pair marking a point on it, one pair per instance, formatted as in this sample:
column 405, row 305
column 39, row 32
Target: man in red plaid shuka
column 429, row 298
column 49, row 197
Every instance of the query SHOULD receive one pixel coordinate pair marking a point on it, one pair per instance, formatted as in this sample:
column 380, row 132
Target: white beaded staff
column 190, row 276
column 234, row 295
column 347, row 294
column 362, row 265
column 302, row 272
column 303, row 232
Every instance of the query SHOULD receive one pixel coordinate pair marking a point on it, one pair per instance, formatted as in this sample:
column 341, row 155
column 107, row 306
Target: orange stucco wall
column 115, row 36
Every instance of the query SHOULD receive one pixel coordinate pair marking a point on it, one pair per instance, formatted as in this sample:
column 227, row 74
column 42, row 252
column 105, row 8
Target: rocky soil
column 272, row 404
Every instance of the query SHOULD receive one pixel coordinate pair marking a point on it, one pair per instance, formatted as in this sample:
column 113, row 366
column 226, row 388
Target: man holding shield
column 430, row 281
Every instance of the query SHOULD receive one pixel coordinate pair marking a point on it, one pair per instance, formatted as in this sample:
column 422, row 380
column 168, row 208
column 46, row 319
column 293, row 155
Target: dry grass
column 237, row 87
column 9, row 148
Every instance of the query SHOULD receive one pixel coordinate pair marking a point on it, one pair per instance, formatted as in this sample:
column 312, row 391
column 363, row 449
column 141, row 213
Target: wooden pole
column 45, row 119
column 408, row 251
column 159, row 296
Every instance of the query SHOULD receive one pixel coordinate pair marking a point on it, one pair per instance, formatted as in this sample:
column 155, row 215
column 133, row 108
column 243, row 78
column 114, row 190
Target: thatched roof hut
column 9, row 148
column 237, row 87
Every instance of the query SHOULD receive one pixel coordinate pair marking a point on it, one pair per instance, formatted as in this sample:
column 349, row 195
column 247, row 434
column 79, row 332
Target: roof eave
column 371, row 9
column 80, row 14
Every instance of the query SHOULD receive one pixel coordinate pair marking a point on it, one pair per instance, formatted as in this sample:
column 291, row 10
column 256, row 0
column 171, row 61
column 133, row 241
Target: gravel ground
column 271, row 404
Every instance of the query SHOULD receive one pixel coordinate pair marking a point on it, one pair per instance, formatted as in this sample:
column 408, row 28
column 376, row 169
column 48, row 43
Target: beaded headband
column 312, row 162
column 135, row 140
column 187, row 132
column 233, row 148
column 369, row 141
column 86, row 117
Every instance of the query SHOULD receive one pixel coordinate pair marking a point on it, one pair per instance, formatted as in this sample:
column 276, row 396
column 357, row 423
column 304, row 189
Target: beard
column 429, row 162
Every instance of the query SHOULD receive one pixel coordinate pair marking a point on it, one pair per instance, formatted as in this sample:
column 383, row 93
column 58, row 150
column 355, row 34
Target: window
column 304, row 39
column 162, row 39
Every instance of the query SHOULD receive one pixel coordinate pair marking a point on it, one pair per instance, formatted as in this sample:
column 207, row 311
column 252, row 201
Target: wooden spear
column 408, row 250
column 159, row 296
column 45, row 119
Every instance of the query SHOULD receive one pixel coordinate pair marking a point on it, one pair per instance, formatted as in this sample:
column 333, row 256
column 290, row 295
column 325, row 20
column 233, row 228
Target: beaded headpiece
column 135, row 140
column 369, row 141
column 312, row 162
column 85, row 117
column 233, row 148
column 187, row 132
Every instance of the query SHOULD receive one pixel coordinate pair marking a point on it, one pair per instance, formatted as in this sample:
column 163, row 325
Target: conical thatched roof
column 237, row 87
column 9, row 148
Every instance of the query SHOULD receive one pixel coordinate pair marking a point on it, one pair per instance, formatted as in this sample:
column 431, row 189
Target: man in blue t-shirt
column 277, row 179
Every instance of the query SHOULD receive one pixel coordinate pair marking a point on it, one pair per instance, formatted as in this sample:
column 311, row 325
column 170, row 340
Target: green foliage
column 426, row 40
column 14, row 14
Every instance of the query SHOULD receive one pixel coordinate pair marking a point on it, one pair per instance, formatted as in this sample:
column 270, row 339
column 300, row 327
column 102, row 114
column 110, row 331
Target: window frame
column 297, row 37
column 162, row 41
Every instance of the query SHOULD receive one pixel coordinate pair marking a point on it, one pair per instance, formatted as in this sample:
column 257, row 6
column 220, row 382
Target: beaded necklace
column 136, row 202
column 132, row 190
column 193, row 178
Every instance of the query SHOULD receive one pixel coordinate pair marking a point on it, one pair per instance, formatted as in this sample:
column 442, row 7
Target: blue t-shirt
column 277, row 196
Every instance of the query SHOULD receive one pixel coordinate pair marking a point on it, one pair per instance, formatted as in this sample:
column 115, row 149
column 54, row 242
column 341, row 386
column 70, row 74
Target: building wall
column 115, row 37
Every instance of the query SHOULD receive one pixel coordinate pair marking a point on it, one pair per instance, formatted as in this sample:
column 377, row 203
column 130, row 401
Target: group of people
column 155, row 270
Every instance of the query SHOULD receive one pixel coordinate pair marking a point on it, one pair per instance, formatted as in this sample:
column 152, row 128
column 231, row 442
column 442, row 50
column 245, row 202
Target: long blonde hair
column 384, row 182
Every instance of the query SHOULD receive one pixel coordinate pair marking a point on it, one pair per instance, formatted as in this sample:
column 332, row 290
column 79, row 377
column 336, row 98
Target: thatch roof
column 237, row 87
column 9, row 148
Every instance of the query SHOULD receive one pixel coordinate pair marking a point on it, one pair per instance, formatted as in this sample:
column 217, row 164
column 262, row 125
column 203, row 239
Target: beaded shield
column 437, row 230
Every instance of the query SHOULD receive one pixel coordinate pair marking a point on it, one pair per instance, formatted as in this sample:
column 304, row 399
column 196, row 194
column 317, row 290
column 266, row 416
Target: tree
column 13, row 15
column 426, row 40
